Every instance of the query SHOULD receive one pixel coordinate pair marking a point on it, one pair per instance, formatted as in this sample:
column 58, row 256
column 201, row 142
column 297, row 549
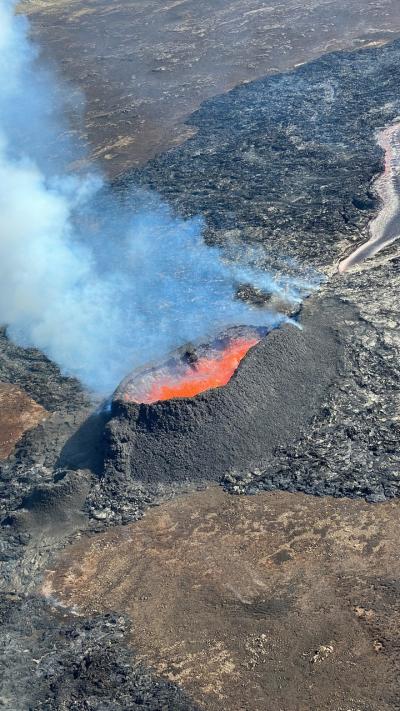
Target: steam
column 100, row 285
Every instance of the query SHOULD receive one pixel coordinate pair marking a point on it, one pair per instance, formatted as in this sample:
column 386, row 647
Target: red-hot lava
column 190, row 373
column 205, row 374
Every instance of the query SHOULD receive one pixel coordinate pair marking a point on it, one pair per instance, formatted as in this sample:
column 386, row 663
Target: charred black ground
column 287, row 161
column 76, row 663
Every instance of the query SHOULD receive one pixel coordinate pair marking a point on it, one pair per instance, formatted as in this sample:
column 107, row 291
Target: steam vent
column 224, row 406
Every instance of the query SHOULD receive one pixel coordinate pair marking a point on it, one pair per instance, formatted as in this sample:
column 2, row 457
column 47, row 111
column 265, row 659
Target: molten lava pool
column 206, row 373
column 191, row 371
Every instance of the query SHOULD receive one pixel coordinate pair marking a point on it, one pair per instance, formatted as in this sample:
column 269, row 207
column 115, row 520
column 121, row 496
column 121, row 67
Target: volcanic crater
column 191, row 369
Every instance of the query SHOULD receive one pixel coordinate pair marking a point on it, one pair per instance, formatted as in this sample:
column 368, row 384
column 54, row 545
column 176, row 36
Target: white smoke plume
column 99, row 286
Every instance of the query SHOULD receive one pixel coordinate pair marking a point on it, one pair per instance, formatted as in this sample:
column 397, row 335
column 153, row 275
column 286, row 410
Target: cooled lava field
column 228, row 537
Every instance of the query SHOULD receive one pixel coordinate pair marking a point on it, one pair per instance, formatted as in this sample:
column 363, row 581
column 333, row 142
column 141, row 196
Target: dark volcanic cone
column 276, row 389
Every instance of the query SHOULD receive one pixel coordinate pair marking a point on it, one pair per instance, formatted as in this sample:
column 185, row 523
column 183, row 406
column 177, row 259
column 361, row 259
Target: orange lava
column 205, row 374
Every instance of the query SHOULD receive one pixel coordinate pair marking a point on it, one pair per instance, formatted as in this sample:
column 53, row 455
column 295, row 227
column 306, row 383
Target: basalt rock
column 60, row 661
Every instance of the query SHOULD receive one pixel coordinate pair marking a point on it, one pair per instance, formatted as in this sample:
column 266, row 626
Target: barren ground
column 19, row 413
column 145, row 65
column 276, row 601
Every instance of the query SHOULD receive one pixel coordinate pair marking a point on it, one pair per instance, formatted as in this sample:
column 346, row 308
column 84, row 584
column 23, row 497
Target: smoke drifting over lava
column 99, row 285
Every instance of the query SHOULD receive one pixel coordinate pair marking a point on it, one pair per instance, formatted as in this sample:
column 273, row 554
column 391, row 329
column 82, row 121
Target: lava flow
column 191, row 372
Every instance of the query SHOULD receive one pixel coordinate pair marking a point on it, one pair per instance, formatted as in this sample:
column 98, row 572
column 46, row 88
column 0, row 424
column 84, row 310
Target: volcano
column 222, row 406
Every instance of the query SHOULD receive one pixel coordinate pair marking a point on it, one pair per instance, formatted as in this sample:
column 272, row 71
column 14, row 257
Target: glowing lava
column 190, row 371
column 206, row 373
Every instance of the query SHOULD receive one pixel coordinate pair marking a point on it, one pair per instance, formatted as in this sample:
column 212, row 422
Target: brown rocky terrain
column 276, row 601
column 18, row 413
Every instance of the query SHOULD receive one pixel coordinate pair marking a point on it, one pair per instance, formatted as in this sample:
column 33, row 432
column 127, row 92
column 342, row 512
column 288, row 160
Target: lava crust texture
column 277, row 387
